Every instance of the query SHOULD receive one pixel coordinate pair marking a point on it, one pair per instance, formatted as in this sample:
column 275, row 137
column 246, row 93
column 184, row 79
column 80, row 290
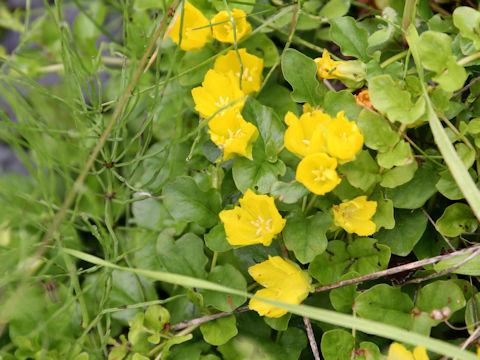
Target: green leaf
column 216, row 239
column 362, row 172
column 432, row 44
column 257, row 174
column 183, row 256
column 409, row 227
column 440, row 294
column 185, row 201
column 262, row 46
column 467, row 20
column 279, row 324
column 156, row 316
column 363, row 256
column 174, row 341
column 334, row 9
column 118, row 353
column 337, row 345
column 278, row 98
column 456, row 220
column 447, row 186
column 219, row 331
column 294, row 338
column 288, row 193
column 225, row 274
column 393, row 101
column 336, row 101
column 377, row 133
column 352, row 39
column 384, row 215
column 307, row 237
column 472, row 267
column 370, row 351
column 301, row 72
column 385, row 304
column 471, row 313
column 342, row 298
column 400, row 155
column 191, row 60
column 399, row 175
column 269, row 125
column 415, row 193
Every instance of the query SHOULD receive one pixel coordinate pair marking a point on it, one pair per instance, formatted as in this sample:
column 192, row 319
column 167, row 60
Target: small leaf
column 225, row 275
column 156, row 317
column 385, row 304
column 279, row 324
column 467, row 20
column 301, row 72
column 457, row 219
column 399, row 175
column 447, row 186
column 352, row 39
column 440, row 294
column 336, row 101
column 337, row 345
column 363, row 256
column 288, row 193
column 269, row 125
column 400, row 155
column 185, row 201
column 258, row 174
column 377, row 133
column 409, row 228
column 393, row 101
column 384, row 215
column 173, row 341
column 183, row 256
column 219, row 331
column 342, row 298
column 334, row 9
column 216, row 239
column 415, row 193
column 262, row 46
column 362, row 172
column 307, row 237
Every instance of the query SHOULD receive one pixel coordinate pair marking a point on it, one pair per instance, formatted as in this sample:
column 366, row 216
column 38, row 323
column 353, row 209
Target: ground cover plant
column 240, row 179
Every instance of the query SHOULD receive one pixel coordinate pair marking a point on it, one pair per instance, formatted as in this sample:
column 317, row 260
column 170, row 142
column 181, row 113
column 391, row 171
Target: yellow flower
column 232, row 134
column 305, row 136
column 344, row 139
column 223, row 27
column 399, row 352
column 351, row 73
column 284, row 281
column 252, row 68
column 354, row 216
column 327, row 68
column 255, row 221
column 317, row 173
column 218, row 91
column 192, row 37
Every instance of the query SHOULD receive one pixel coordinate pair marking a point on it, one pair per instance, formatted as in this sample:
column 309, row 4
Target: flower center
column 232, row 135
column 222, row 102
column 323, row 174
column 246, row 75
column 262, row 225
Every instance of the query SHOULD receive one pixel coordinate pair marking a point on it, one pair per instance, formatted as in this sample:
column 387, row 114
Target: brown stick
column 311, row 338
column 207, row 318
column 397, row 269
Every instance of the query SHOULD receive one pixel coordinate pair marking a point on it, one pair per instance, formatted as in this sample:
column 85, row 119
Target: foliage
column 181, row 157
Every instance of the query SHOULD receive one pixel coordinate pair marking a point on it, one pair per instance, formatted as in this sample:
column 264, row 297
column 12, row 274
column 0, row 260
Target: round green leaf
column 377, row 133
column 457, row 219
column 216, row 239
column 440, row 294
column 385, row 304
column 362, row 172
column 219, row 331
column 225, row 275
column 337, row 345
column 409, row 227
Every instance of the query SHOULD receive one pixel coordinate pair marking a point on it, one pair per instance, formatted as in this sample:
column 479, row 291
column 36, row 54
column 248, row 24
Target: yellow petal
column 223, row 27
column 195, row 31
column 344, row 139
column 252, row 68
column 232, row 134
column 317, row 172
column 327, row 66
column 218, row 93
column 399, row 352
column 354, row 216
column 420, row 353
column 256, row 221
